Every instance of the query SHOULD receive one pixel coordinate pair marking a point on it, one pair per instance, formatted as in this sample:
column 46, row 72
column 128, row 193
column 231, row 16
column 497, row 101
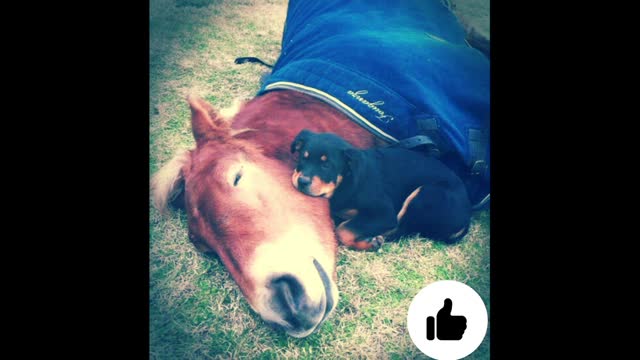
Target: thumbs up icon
column 450, row 327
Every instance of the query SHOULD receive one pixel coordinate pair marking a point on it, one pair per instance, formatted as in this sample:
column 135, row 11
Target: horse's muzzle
column 301, row 314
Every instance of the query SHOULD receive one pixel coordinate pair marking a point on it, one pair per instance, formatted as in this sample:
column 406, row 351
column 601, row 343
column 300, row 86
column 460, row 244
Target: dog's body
column 381, row 192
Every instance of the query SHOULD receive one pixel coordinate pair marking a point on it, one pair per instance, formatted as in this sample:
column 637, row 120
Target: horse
column 278, row 244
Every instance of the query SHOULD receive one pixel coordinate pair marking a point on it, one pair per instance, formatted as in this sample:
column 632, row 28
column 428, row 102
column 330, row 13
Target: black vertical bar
column 430, row 328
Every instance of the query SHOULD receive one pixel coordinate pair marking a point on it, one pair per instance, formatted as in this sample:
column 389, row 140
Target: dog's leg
column 440, row 212
column 368, row 229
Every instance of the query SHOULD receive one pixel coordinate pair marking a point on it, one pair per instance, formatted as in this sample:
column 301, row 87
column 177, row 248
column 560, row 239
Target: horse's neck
column 277, row 117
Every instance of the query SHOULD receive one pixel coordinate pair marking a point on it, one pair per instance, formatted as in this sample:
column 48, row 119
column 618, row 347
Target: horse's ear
column 300, row 139
column 206, row 123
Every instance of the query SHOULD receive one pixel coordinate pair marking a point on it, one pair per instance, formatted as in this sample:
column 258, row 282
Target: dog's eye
column 237, row 178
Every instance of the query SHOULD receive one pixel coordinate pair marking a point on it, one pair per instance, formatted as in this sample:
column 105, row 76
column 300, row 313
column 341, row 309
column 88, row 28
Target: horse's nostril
column 289, row 292
column 290, row 300
column 304, row 181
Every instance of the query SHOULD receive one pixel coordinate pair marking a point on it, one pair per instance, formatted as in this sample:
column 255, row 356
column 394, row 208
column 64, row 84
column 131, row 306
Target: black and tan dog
column 382, row 192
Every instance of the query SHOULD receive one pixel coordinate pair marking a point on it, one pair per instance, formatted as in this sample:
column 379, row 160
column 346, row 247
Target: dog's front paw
column 375, row 242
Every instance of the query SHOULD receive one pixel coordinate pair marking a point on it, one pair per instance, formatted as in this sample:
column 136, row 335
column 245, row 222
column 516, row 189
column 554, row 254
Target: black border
column 93, row 286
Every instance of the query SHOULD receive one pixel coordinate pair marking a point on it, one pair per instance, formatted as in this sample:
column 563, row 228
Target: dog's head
column 324, row 159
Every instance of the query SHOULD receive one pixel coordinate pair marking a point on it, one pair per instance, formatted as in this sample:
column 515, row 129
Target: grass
column 196, row 310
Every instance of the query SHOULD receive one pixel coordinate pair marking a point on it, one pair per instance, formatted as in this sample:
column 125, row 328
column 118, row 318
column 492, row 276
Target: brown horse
column 278, row 244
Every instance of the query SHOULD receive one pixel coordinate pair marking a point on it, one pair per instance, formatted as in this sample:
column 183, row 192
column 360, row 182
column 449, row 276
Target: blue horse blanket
column 390, row 66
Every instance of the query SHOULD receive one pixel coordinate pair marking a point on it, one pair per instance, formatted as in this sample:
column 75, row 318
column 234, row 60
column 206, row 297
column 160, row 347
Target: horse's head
column 277, row 243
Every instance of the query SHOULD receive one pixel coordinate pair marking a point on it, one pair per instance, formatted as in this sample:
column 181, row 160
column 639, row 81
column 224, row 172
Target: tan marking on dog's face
column 294, row 178
column 306, row 154
column 407, row 201
column 323, row 158
column 331, row 189
column 320, row 188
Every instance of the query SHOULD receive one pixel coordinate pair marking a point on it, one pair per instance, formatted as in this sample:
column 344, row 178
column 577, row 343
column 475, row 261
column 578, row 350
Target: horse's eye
column 237, row 179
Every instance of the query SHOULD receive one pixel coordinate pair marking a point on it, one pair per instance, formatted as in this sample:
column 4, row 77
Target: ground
column 196, row 310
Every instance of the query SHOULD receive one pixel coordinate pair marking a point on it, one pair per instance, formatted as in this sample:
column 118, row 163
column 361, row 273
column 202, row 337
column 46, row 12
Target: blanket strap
column 251, row 59
column 478, row 151
column 429, row 139
column 420, row 140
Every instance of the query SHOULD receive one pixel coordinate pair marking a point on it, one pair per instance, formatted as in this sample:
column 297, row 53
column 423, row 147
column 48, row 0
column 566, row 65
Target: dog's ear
column 352, row 158
column 300, row 139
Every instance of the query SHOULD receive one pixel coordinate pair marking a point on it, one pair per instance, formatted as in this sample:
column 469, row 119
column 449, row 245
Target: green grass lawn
column 196, row 310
